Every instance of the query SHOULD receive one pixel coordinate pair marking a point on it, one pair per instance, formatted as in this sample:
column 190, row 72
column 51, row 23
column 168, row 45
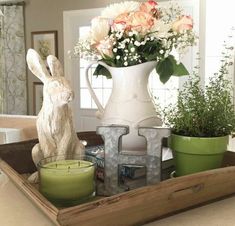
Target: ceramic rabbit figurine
column 55, row 129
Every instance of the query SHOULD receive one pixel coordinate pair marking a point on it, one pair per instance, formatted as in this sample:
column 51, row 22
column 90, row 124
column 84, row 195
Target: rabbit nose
column 66, row 96
column 71, row 95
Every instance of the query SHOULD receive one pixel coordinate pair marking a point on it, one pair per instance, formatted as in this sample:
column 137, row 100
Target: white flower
column 121, row 46
column 116, row 9
column 99, row 29
column 137, row 43
column 132, row 49
column 125, row 63
column 118, row 57
column 119, row 34
column 175, row 54
column 143, row 43
column 160, row 29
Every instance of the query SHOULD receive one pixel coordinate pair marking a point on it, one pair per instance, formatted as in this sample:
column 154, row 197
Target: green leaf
column 168, row 67
column 165, row 69
column 179, row 69
column 101, row 70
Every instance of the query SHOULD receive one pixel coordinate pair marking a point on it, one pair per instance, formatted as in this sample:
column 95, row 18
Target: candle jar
column 67, row 181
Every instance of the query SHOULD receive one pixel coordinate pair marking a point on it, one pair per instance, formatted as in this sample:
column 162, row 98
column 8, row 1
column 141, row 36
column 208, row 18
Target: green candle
column 65, row 182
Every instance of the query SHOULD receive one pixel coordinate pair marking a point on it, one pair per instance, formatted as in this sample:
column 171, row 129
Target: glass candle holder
column 67, row 181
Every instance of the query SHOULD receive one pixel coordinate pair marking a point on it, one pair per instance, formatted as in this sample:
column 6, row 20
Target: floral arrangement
column 131, row 33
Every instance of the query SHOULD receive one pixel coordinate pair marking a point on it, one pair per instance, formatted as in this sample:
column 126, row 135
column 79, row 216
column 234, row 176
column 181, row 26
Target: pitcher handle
column 92, row 93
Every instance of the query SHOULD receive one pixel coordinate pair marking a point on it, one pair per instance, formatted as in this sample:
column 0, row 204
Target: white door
column 76, row 22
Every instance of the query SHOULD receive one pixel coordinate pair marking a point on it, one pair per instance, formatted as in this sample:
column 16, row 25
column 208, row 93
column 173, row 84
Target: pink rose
column 182, row 24
column 120, row 22
column 140, row 21
column 149, row 7
column 105, row 47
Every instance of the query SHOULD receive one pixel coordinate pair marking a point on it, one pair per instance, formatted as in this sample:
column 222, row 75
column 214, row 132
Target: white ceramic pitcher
column 130, row 103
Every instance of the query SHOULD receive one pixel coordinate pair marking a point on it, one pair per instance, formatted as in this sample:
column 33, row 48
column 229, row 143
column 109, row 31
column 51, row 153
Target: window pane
column 85, row 98
column 159, row 97
column 97, row 81
column 171, row 96
column 108, row 83
column 220, row 18
column 83, row 63
column 212, row 66
column 82, row 78
column 164, row 94
column 173, row 83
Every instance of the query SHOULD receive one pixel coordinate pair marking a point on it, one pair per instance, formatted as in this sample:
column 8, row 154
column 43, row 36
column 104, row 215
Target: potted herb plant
column 201, row 122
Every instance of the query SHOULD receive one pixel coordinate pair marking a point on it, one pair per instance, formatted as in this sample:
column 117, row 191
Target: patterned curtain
column 13, row 91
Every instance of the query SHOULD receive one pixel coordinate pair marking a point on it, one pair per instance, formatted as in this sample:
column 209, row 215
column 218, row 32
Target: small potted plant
column 201, row 122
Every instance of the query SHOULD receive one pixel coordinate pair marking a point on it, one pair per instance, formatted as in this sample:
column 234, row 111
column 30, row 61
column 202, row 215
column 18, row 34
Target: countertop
column 15, row 128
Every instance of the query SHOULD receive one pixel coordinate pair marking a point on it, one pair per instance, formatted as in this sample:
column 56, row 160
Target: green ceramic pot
column 195, row 154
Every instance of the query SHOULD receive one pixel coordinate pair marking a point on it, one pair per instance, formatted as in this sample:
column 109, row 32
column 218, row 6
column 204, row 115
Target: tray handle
column 186, row 191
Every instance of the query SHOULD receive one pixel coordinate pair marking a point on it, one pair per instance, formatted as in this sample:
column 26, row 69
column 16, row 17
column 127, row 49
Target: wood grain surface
column 134, row 207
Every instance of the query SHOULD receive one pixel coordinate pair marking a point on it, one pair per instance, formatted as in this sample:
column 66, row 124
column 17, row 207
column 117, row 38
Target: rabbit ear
column 55, row 66
column 36, row 65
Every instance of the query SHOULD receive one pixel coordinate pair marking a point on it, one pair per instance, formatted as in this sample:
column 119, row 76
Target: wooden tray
column 134, row 207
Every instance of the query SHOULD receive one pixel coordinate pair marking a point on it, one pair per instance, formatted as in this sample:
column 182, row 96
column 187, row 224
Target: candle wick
column 56, row 165
column 78, row 163
column 68, row 168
